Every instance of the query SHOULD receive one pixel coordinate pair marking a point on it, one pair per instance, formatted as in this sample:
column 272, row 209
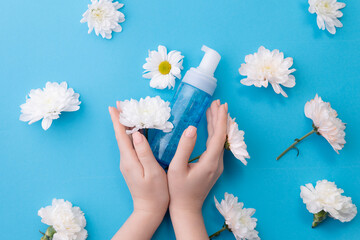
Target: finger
column 184, row 149
column 210, row 127
column 216, row 143
column 214, row 111
column 144, row 154
column 129, row 162
column 211, row 115
column 122, row 138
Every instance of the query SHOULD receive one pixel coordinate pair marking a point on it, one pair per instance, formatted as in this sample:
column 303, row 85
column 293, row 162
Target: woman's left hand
column 146, row 180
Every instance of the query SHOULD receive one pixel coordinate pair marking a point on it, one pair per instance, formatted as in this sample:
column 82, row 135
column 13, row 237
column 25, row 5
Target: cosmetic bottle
column 188, row 105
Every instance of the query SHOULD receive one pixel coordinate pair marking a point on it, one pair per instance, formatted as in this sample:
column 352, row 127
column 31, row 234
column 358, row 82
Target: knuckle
column 210, row 170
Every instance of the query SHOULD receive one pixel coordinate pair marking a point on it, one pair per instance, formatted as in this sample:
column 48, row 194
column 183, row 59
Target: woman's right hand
column 190, row 183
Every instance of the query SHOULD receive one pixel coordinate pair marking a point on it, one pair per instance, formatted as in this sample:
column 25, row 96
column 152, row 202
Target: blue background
column 77, row 158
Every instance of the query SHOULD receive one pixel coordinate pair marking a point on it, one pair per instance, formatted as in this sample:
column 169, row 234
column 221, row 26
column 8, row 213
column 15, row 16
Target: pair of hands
column 183, row 189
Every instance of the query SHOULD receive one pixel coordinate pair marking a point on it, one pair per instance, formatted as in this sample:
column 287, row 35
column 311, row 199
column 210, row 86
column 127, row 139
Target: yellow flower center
column 324, row 6
column 164, row 67
column 97, row 13
column 267, row 68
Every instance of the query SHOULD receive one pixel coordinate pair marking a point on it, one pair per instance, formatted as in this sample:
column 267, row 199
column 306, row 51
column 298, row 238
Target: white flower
column 103, row 16
column 68, row 221
column 235, row 141
column 326, row 122
column 327, row 197
column 146, row 113
column 47, row 104
column 327, row 13
column 266, row 67
column 238, row 219
column 162, row 68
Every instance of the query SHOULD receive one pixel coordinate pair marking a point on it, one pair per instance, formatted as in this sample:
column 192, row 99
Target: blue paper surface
column 77, row 158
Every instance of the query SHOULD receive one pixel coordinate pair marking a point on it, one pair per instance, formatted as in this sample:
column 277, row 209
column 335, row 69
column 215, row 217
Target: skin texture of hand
column 189, row 184
column 146, row 180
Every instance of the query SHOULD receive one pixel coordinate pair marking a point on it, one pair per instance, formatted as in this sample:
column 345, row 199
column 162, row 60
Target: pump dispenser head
column 202, row 77
column 209, row 62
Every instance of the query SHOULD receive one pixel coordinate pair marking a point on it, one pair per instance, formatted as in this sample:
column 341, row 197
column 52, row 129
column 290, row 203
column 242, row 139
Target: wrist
column 185, row 208
column 187, row 212
column 188, row 223
column 153, row 216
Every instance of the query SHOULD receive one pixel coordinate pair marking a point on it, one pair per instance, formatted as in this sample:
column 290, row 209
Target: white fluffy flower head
column 238, row 219
column 327, row 197
column 327, row 13
column 235, row 141
column 103, row 17
column 146, row 113
column 48, row 103
column 68, row 221
column 326, row 122
column 266, row 67
column 162, row 68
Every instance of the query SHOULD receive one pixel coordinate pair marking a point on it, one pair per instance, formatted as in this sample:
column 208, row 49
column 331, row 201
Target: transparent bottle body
column 187, row 107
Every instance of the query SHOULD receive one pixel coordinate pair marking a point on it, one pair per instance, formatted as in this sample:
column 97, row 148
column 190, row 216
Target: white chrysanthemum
column 68, row 221
column 103, row 16
column 235, row 141
column 238, row 219
column 327, row 197
column 162, row 68
column 326, row 122
column 48, row 103
column 266, row 67
column 327, row 14
column 146, row 113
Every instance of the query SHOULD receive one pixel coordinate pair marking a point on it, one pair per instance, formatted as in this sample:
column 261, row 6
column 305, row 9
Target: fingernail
column 226, row 106
column 218, row 102
column 118, row 104
column 190, row 132
column 137, row 137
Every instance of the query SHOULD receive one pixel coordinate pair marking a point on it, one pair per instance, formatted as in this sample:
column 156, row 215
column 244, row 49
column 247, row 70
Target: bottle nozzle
column 210, row 61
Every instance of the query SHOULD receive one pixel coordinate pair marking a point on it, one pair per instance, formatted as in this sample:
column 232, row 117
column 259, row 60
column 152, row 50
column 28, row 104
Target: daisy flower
column 238, row 219
column 235, row 141
column 103, row 17
column 325, row 199
column 162, row 68
column 48, row 103
column 146, row 113
column 65, row 221
column 325, row 123
column 266, row 67
column 327, row 14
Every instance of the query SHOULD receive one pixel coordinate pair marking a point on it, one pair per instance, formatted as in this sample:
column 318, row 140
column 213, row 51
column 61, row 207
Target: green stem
column 195, row 158
column 296, row 142
column 319, row 217
column 218, row 232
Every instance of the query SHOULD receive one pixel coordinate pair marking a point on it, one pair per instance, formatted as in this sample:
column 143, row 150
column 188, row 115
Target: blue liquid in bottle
column 188, row 106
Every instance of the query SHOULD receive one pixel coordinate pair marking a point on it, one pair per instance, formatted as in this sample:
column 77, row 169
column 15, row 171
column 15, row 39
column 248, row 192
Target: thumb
column 184, row 149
